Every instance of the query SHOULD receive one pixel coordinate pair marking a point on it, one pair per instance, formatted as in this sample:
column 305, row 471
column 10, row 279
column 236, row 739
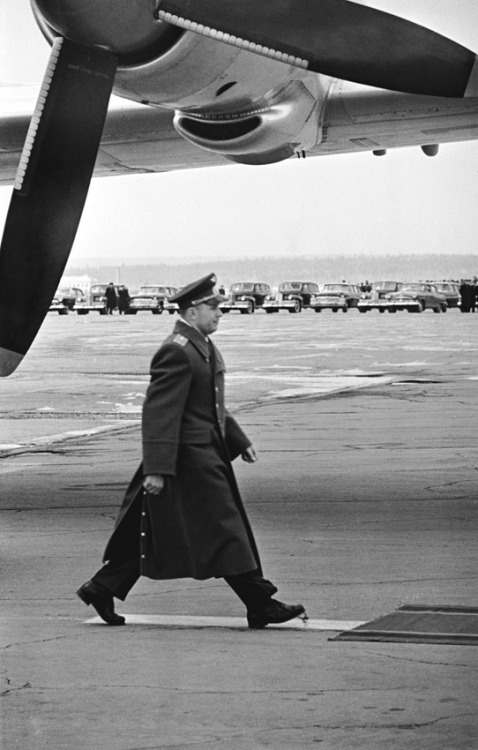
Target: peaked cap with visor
column 197, row 292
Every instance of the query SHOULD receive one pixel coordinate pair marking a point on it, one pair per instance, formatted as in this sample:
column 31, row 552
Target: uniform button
column 143, row 533
column 143, row 557
column 143, row 513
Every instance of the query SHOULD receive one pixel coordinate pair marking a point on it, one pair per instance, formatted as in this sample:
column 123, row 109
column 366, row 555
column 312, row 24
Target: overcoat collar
column 200, row 342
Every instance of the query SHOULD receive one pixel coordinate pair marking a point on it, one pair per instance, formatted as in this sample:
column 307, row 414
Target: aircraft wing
column 136, row 139
column 352, row 118
column 359, row 118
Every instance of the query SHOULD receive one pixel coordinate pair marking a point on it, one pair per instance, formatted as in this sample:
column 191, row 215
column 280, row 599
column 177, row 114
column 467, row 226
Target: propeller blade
column 338, row 38
column 50, row 190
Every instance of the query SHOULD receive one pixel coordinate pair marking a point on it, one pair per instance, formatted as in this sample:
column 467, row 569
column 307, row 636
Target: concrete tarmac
column 364, row 498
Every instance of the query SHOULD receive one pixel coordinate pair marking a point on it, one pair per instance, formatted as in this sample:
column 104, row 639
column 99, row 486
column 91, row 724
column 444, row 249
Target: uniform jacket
column 197, row 527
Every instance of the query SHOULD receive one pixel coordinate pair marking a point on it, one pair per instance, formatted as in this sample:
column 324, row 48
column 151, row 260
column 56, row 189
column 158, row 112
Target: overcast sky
column 402, row 203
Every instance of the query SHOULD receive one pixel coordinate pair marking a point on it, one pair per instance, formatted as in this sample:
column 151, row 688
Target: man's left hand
column 249, row 455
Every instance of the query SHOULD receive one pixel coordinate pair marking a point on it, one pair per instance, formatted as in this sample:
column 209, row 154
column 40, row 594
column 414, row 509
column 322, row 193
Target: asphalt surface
column 364, row 498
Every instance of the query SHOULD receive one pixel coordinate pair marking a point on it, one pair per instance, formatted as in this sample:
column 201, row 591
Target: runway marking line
column 61, row 437
column 237, row 623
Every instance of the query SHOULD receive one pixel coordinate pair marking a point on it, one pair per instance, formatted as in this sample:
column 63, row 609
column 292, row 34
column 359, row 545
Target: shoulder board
column 178, row 338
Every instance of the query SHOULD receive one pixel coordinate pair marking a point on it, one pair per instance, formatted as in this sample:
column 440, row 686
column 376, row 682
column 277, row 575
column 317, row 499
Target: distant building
column 80, row 282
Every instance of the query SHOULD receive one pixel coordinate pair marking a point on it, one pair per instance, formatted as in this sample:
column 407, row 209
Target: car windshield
column 336, row 288
column 290, row 286
column 386, row 286
column 152, row 290
column 414, row 288
column 445, row 287
column 98, row 289
column 242, row 288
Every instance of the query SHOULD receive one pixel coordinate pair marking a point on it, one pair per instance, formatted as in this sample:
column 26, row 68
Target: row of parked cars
column 294, row 296
column 150, row 297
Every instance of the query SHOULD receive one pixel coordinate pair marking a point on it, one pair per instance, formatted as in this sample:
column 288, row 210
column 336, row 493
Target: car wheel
column 444, row 308
column 335, row 309
column 296, row 308
column 317, row 309
column 345, row 309
column 82, row 312
column 392, row 309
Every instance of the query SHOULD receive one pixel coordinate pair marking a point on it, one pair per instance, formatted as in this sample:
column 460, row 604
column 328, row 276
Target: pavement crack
column 432, row 662
column 14, row 644
column 13, row 689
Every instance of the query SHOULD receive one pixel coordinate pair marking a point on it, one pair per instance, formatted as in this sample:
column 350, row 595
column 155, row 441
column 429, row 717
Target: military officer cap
column 197, row 292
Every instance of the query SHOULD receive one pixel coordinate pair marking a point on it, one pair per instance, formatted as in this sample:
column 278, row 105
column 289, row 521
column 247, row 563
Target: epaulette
column 178, row 338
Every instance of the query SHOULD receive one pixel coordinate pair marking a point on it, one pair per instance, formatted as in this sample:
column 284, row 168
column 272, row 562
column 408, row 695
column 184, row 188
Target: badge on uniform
column 180, row 339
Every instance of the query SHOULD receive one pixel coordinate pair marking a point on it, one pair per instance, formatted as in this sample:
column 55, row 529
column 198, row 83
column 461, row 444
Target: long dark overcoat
column 197, row 527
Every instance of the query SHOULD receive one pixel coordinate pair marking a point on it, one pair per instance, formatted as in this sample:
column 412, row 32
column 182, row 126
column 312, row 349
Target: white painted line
column 60, row 437
column 239, row 623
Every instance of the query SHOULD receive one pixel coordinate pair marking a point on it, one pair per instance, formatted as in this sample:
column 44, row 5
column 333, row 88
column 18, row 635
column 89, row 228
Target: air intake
column 220, row 130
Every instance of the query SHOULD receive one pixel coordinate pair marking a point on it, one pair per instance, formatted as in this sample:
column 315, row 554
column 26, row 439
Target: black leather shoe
column 275, row 612
column 102, row 601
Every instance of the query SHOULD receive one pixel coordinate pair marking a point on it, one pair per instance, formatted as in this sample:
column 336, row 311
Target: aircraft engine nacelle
column 226, row 100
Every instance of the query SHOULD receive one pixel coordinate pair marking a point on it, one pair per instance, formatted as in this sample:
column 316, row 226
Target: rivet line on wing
column 34, row 122
column 221, row 36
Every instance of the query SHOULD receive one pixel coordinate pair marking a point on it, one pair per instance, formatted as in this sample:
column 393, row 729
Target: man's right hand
column 153, row 483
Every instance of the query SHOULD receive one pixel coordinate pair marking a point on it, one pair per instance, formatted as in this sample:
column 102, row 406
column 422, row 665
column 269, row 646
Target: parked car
column 57, row 305
column 293, row 296
column 336, row 297
column 450, row 290
column 171, row 307
column 70, row 296
column 150, row 297
column 95, row 300
column 376, row 299
column 417, row 297
column 247, row 296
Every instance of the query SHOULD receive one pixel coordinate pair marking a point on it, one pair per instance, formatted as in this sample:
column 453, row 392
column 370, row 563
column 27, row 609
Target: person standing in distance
column 111, row 298
column 182, row 515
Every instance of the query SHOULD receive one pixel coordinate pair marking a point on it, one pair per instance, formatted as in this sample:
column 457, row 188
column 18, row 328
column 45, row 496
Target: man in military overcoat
column 182, row 515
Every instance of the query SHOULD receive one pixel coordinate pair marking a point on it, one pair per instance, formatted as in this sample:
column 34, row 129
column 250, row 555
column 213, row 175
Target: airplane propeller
column 50, row 190
column 338, row 38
